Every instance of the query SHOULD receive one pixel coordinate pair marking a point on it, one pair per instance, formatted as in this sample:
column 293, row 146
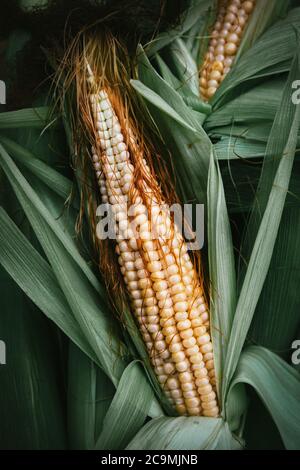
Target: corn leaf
column 278, row 332
column 79, row 291
column 125, row 416
column 35, row 277
column 278, row 386
column 280, row 132
column 183, row 65
column 192, row 15
column 182, row 89
column 235, row 148
column 221, row 268
column 25, row 192
column 52, row 178
column 25, row 118
column 254, row 106
column 91, row 313
column 89, row 395
column 32, row 411
column 270, row 326
column 262, row 252
column 264, row 14
column 33, row 4
column 193, row 433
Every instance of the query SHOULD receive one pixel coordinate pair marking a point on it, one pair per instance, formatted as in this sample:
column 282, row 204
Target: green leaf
column 52, row 178
column 280, row 132
column 128, row 410
column 278, row 386
column 32, row 5
column 81, row 399
column 221, row 268
column 159, row 103
column 235, row 148
column 89, row 395
column 183, row 65
column 90, row 310
column 270, row 327
column 25, row 118
column 262, row 252
column 182, row 88
column 276, row 320
column 17, row 40
column 189, row 18
column 264, row 14
column 25, row 193
column 254, row 106
column 193, row 433
column 32, row 411
column 35, row 277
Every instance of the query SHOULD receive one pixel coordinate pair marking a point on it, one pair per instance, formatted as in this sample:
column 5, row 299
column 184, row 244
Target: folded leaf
column 278, row 386
column 261, row 254
column 221, row 268
column 128, row 410
column 193, row 433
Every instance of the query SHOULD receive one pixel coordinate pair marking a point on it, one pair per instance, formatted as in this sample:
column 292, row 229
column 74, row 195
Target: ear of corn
column 160, row 278
column 232, row 19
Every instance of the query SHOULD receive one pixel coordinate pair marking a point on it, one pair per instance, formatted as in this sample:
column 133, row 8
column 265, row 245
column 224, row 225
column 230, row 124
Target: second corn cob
column 232, row 19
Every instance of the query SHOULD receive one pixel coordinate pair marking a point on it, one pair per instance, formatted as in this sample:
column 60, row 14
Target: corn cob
column 232, row 19
column 160, row 278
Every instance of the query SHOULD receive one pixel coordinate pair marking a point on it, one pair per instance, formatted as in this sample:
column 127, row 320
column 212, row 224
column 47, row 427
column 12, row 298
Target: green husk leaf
column 162, row 105
column 254, row 106
column 52, row 178
column 25, row 118
column 89, row 395
column 128, row 410
column 235, row 148
column 275, row 330
column 92, row 315
column 221, row 268
column 184, row 66
column 196, row 9
column 284, row 120
column 270, row 326
column 278, row 386
column 193, row 433
column 265, row 13
column 35, row 277
column 33, row 4
column 81, row 399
